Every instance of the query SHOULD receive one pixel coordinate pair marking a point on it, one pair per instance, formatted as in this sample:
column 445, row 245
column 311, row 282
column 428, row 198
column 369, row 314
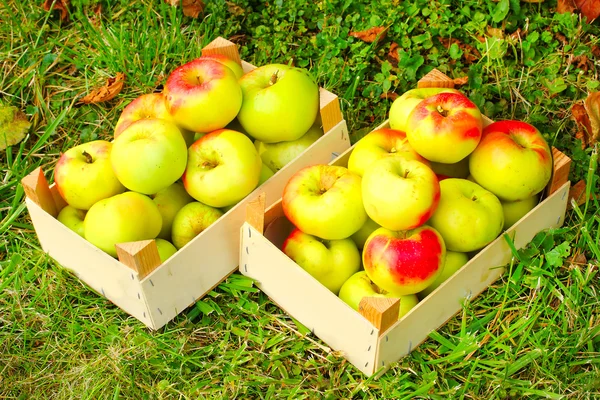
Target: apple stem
column 88, row 157
column 442, row 111
column 274, row 77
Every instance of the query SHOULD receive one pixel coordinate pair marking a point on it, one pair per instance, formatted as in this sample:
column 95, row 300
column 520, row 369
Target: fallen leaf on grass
column 565, row 6
column 13, row 126
column 60, row 5
column 234, row 9
column 371, row 35
column 191, row 8
column 107, row 92
column 389, row 96
column 393, row 56
column 461, row 81
column 590, row 9
column 577, row 193
column 470, row 53
column 592, row 106
column 580, row 116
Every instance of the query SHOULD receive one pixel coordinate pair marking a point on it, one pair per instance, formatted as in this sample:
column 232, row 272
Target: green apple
column 513, row 160
column 404, row 262
column 223, row 168
column 191, row 220
column 445, row 127
column 403, row 105
column 165, row 249
column 277, row 155
column 468, row 217
column 360, row 285
column 149, row 156
column 265, row 174
column 234, row 66
column 454, row 261
column 325, row 201
column 515, row 210
column 280, row 103
column 151, row 105
column 377, row 144
column 72, row 218
column 361, row 236
column 456, row 170
column 331, row 262
column 203, row 95
column 125, row 217
column 400, row 193
column 84, row 175
column 169, row 201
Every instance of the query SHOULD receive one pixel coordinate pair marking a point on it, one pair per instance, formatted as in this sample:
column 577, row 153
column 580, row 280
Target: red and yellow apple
column 191, row 220
column 84, row 175
column 325, row 201
column 468, row 217
column 445, row 127
column 403, row 105
column 280, row 103
column 360, row 285
column 454, row 261
column 203, row 95
column 148, row 156
column 125, row 217
column 234, row 66
column 404, row 262
column 223, row 168
column 513, row 160
column 377, row 144
column 151, row 105
column 331, row 262
column 399, row 193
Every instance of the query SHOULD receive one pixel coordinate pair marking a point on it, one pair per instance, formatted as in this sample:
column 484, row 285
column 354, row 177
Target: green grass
column 535, row 333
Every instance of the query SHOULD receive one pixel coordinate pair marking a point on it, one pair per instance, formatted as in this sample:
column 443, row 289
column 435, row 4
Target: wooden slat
column 330, row 111
column 37, row 190
column 224, row 47
column 435, row 79
column 255, row 213
column 560, row 174
column 141, row 256
column 382, row 312
column 59, row 202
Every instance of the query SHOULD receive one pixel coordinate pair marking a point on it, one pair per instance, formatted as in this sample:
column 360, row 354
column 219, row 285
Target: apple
column 361, row 236
column 379, row 143
column 280, row 103
column 203, row 95
column 149, row 155
column 277, row 155
column 151, row 105
column 455, row 170
column 454, row 262
column 125, row 217
column 84, row 175
column 468, row 217
column 169, row 201
column 324, row 201
column 515, row 210
column 223, row 168
column 165, row 249
column 404, row 262
column 403, row 105
column 399, row 193
column 513, row 160
column 226, row 61
column 191, row 220
column 331, row 262
column 72, row 218
column 360, row 285
column 265, row 174
column 445, row 127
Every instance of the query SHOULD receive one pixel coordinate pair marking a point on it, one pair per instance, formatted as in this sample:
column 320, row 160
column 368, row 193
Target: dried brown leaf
column 107, row 92
column 389, row 95
column 13, row 126
column 596, row 51
column 579, row 114
column 589, row 8
column 470, row 53
column 592, row 106
column 60, row 5
column 577, row 192
column 371, row 35
column 461, row 81
column 565, row 6
column 192, row 8
column 393, row 56
column 495, row 32
column 234, row 9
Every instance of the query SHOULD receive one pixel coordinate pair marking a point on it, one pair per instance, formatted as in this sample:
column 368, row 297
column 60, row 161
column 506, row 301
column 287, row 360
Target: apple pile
column 416, row 200
column 182, row 158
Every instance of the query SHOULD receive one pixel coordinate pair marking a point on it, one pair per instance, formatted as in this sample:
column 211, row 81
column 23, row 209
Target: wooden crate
column 373, row 338
column 155, row 293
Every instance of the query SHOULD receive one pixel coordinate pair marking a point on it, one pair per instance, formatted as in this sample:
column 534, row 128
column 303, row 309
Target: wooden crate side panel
column 307, row 300
column 98, row 270
column 472, row 279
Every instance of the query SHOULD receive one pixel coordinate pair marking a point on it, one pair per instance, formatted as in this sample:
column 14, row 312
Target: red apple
column 445, row 128
column 203, row 95
column 379, row 143
column 151, row 105
column 226, row 61
column 513, row 160
column 325, row 201
column 404, row 262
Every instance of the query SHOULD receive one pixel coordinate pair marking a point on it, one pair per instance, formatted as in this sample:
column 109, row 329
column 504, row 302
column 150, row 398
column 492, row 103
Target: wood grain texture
column 37, row 189
column 141, row 256
column 435, row 79
column 224, row 47
column 382, row 312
